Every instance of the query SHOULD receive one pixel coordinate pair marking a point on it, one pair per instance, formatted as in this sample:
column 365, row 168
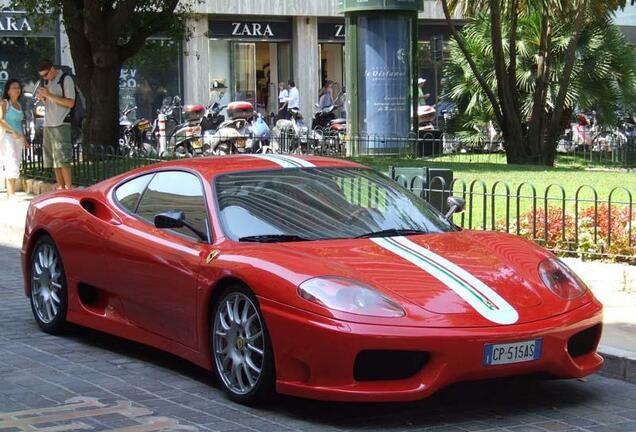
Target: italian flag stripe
column 481, row 297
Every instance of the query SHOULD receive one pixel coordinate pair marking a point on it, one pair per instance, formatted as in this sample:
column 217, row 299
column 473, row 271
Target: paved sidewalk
column 12, row 216
column 613, row 284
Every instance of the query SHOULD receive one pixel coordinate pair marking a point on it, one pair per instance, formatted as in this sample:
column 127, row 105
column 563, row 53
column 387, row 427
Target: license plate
column 515, row 352
column 197, row 144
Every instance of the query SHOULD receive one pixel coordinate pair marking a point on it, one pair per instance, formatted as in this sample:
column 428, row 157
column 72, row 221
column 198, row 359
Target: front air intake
column 584, row 342
column 384, row 365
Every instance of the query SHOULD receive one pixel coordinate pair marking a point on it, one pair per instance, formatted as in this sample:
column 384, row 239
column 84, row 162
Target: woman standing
column 326, row 95
column 11, row 123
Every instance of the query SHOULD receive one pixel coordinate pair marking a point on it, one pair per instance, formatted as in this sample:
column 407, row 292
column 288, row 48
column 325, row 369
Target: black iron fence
column 583, row 224
column 605, row 150
column 88, row 165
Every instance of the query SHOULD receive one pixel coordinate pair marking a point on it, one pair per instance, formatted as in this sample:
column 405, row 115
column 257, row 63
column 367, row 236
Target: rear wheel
column 49, row 293
column 241, row 350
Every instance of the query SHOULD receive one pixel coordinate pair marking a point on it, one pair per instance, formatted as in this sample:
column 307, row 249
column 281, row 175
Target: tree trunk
column 537, row 123
column 102, row 108
column 554, row 129
column 511, row 126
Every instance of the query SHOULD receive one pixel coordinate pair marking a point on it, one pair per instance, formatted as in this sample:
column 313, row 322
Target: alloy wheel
column 239, row 343
column 46, row 283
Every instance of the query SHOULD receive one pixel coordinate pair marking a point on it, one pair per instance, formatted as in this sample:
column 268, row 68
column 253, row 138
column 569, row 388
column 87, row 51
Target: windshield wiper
column 392, row 232
column 272, row 238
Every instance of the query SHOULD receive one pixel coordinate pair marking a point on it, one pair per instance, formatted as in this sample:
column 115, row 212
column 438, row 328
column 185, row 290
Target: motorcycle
column 293, row 136
column 134, row 138
column 331, row 131
column 212, row 118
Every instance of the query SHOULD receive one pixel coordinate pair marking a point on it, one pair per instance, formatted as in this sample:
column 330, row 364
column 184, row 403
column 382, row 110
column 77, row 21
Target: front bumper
column 315, row 355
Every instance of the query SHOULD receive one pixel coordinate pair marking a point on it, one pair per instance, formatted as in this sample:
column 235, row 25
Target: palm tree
column 603, row 75
column 533, row 139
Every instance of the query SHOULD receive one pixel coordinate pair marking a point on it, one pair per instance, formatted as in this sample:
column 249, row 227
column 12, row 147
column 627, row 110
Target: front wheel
column 49, row 294
column 182, row 151
column 240, row 347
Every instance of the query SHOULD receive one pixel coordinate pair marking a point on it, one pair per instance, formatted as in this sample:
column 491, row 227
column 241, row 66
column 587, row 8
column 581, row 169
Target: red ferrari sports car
column 309, row 276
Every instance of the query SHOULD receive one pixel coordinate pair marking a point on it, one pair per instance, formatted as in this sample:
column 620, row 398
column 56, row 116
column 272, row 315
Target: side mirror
column 455, row 205
column 170, row 219
column 173, row 219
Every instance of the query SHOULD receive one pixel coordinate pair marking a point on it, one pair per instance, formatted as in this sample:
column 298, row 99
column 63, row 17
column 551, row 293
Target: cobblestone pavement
column 91, row 381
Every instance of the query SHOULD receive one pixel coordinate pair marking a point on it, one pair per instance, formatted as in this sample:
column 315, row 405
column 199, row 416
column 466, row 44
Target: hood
column 460, row 279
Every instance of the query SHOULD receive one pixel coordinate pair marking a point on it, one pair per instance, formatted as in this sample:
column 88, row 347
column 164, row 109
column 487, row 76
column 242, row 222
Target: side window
column 175, row 190
column 128, row 193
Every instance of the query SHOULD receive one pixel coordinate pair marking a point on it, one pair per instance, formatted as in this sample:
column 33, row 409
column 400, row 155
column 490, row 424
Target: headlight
column 350, row 296
column 561, row 280
column 40, row 111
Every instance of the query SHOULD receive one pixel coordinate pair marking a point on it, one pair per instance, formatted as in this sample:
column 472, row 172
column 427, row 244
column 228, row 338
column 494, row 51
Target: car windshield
column 320, row 204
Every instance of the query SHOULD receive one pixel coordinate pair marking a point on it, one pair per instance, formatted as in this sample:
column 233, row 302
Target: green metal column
column 353, row 11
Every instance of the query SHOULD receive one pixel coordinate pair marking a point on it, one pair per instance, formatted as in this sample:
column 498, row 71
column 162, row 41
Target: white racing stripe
column 285, row 161
column 480, row 296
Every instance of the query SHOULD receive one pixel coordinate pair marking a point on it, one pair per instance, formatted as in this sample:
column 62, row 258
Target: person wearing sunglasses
column 58, row 94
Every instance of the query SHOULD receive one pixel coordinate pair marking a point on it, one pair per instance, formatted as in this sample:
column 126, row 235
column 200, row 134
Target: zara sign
column 17, row 24
column 10, row 23
column 241, row 29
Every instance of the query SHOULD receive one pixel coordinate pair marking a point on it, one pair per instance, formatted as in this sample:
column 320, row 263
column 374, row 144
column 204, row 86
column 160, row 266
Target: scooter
column 260, row 137
column 231, row 137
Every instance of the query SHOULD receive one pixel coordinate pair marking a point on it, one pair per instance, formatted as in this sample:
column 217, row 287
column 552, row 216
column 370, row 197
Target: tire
column 236, row 370
column 48, row 286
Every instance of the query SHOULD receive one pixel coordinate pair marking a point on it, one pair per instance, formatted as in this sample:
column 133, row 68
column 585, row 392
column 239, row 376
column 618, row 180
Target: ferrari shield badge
column 212, row 255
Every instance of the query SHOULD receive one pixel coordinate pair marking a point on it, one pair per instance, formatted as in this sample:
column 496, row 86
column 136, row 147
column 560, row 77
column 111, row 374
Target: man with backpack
column 58, row 94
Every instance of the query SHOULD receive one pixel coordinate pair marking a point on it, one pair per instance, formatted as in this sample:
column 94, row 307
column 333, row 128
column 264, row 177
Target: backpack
column 78, row 112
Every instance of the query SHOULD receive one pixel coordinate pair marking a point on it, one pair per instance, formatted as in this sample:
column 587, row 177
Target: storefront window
column 331, row 63
column 151, row 75
column 245, row 72
column 248, row 58
column 219, row 71
column 284, row 62
column 19, row 58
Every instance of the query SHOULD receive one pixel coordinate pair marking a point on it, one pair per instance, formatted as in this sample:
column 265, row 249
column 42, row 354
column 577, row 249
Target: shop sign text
column 251, row 29
column 128, row 78
column 10, row 23
column 4, row 70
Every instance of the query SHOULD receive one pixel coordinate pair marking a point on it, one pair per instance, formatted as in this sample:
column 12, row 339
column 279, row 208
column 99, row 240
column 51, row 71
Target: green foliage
column 604, row 74
column 592, row 232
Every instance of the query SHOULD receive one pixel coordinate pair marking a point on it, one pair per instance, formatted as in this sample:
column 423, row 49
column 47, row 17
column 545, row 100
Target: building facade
column 239, row 50
column 247, row 47
column 626, row 20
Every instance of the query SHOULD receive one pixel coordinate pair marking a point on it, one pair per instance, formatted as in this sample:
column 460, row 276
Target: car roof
column 215, row 165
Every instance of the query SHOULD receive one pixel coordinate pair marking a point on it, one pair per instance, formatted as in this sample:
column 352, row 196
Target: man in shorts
column 59, row 99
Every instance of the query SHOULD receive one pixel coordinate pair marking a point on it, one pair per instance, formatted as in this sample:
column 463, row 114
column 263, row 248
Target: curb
column 619, row 364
